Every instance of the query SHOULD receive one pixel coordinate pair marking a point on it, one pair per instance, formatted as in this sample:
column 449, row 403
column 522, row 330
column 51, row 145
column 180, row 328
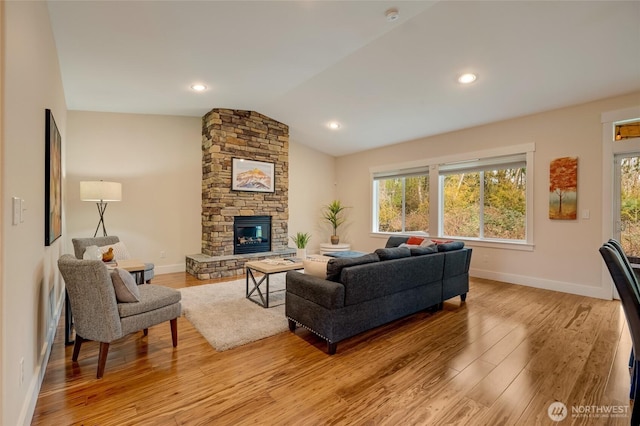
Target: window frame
column 436, row 197
column 395, row 173
column 480, row 166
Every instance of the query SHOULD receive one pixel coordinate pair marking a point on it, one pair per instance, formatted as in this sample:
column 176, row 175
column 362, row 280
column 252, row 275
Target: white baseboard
column 168, row 269
column 29, row 407
column 561, row 286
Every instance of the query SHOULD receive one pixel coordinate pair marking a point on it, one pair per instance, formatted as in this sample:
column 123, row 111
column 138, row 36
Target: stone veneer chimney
column 228, row 134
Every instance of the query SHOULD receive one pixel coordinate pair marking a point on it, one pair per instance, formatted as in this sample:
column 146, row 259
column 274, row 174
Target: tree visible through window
column 402, row 203
column 630, row 205
column 485, row 198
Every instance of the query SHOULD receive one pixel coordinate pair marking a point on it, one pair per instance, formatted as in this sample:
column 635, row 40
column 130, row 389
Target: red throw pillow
column 414, row 241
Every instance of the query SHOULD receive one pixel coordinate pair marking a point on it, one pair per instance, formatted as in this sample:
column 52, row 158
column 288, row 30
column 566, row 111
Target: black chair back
column 626, row 284
column 634, row 279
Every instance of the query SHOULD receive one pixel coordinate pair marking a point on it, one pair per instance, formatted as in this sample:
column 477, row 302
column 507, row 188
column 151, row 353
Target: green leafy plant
column 333, row 213
column 301, row 239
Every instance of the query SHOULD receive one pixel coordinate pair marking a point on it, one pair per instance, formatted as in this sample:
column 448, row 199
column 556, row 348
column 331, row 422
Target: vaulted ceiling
column 307, row 63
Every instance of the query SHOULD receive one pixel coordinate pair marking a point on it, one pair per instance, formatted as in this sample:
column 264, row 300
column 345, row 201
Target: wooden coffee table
column 268, row 267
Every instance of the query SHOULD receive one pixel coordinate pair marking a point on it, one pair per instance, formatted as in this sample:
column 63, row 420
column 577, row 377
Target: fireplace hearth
column 251, row 234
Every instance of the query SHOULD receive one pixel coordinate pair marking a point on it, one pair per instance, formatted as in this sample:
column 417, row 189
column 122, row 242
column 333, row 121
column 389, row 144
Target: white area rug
column 223, row 315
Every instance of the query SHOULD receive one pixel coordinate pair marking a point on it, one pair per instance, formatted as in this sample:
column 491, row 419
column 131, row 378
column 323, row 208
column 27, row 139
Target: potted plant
column 333, row 213
column 301, row 240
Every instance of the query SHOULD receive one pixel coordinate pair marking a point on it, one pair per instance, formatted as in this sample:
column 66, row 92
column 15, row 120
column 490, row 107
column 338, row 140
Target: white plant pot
column 301, row 253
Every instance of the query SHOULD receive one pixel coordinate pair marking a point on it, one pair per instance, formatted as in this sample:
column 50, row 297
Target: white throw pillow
column 427, row 243
column 125, row 286
column 92, row 253
column 316, row 266
column 120, row 251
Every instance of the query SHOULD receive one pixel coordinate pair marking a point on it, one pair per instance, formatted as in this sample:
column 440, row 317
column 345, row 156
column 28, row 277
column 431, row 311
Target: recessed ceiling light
column 334, row 125
column 199, row 87
column 392, row 14
column 467, row 78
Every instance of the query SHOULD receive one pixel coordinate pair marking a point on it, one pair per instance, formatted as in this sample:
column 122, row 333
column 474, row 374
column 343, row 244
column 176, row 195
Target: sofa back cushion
column 421, row 251
column 454, row 245
column 380, row 279
column 393, row 253
column 335, row 266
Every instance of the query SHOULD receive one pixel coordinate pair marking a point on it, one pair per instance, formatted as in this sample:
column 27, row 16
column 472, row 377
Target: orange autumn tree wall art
column 563, row 188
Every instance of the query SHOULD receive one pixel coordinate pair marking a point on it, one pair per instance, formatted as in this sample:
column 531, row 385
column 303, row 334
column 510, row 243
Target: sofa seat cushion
column 335, row 266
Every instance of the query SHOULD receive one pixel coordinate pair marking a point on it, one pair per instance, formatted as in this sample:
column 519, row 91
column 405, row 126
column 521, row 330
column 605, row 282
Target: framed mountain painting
column 253, row 176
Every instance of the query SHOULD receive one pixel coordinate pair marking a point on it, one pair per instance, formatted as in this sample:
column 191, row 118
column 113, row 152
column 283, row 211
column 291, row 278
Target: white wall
column 31, row 285
column 565, row 256
column 158, row 160
column 311, row 185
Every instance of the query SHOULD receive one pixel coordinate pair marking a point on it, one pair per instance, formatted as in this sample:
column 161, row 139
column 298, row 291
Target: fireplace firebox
column 251, row 234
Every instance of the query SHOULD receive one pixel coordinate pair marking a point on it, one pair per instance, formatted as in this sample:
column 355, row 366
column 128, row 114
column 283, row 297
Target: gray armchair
column 80, row 244
column 97, row 314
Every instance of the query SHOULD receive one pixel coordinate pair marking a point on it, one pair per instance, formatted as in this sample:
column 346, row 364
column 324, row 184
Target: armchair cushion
column 125, row 286
column 152, row 297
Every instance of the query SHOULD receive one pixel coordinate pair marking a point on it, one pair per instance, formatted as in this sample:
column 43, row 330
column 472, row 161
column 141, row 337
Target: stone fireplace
column 229, row 134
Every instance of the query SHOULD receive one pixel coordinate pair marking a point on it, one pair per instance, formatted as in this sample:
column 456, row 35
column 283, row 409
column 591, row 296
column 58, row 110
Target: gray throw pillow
column 334, row 266
column 393, row 253
column 125, row 286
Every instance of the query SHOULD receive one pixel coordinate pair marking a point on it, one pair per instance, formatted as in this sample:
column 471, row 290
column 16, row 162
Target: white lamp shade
column 100, row 191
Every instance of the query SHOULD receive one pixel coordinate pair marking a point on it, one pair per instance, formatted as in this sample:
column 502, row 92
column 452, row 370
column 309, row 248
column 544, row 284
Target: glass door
column 627, row 199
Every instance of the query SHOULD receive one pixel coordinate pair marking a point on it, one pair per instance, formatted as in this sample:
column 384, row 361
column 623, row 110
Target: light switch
column 585, row 213
column 17, row 210
column 23, row 208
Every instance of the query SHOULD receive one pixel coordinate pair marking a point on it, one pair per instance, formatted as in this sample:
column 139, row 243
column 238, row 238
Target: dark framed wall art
column 254, row 176
column 53, row 180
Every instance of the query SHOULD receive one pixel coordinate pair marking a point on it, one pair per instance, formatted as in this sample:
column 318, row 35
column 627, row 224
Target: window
column 484, row 198
column 401, row 200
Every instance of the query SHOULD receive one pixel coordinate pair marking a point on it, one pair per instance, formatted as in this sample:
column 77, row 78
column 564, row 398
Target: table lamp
column 100, row 192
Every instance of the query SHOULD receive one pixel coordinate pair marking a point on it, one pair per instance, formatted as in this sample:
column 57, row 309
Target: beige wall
column 565, row 256
column 31, row 286
column 311, row 185
column 158, row 160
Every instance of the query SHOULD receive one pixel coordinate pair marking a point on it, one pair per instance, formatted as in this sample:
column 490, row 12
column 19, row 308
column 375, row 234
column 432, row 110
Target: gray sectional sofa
column 364, row 292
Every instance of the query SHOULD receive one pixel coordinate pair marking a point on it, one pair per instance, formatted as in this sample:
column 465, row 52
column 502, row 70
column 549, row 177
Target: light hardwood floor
column 500, row 358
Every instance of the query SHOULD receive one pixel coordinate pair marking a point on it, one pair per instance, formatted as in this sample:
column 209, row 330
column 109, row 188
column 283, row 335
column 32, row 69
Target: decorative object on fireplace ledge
column 563, row 188
column 334, row 214
column 53, row 180
column 100, row 192
column 254, row 176
column 301, row 239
